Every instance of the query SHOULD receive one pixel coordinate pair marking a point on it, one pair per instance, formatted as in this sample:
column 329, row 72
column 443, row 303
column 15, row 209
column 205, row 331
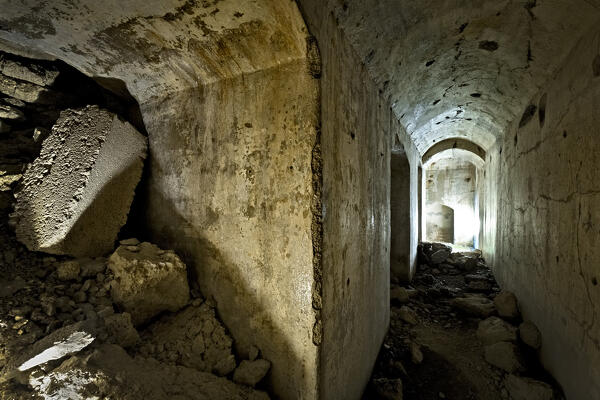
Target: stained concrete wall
column 542, row 218
column 358, row 131
column 400, row 216
column 452, row 183
column 231, row 110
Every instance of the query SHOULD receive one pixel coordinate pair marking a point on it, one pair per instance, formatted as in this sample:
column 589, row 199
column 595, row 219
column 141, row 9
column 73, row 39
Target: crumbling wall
column 358, row 131
column 545, row 215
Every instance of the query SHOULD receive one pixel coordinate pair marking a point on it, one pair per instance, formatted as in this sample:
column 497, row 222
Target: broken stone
column 439, row 256
column 121, row 330
column 399, row 294
column 11, row 113
column 408, row 315
column 506, row 304
column 416, row 355
column 40, row 134
column 477, row 306
column 388, row 389
column 30, row 72
column 68, row 270
column 530, row 335
column 24, row 91
column 92, row 267
column 76, row 194
column 111, row 372
column 60, row 343
column 527, row 389
column 253, row 353
column 129, row 242
column 504, row 355
column 251, row 372
column 494, row 330
column 148, row 282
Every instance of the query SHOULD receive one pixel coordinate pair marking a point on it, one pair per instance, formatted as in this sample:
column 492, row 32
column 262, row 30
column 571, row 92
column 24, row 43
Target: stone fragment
column 129, row 242
column 31, row 71
column 92, row 267
column 506, row 304
column 477, row 306
column 11, row 113
column 416, row 355
column 399, row 294
column 521, row 388
column 58, row 344
column 504, row 355
column 251, row 372
column 24, row 91
column 253, row 353
column 494, row 330
column 388, row 388
column 148, row 282
column 111, row 372
column 193, row 338
column 40, row 134
column 76, row 195
column 120, row 330
column 530, row 335
column 68, row 270
column 408, row 315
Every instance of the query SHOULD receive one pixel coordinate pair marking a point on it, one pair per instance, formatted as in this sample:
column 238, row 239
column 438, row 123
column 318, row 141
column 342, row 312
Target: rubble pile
column 455, row 334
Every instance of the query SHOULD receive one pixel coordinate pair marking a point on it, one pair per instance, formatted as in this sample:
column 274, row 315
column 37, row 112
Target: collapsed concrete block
column 30, row 72
column 148, row 281
column 193, row 338
column 76, row 195
column 494, row 330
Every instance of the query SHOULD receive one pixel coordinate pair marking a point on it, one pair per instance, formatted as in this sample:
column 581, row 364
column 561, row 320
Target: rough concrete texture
column 358, row 133
column 545, row 215
column 193, row 338
column 228, row 97
column 76, row 195
column 148, row 281
column 109, row 372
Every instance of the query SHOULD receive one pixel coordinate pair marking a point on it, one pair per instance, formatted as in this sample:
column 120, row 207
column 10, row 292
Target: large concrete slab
column 76, row 195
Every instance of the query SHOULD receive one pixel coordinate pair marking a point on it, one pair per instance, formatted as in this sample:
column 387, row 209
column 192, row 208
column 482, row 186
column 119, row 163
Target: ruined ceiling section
column 156, row 46
column 462, row 69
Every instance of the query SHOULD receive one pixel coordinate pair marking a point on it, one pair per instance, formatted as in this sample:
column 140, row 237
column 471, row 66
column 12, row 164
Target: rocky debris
column 120, row 330
column 474, row 305
column 504, row 355
column 75, row 196
column 32, row 72
column 506, row 304
column 521, row 388
column 109, row 372
column 416, row 354
column 399, row 294
column 148, row 281
column 408, row 315
column 24, row 91
column 388, row 389
column 251, row 372
column 61, row 343
column 68, row 270
column 193, row 338
column 494, row 330
column 530, row 335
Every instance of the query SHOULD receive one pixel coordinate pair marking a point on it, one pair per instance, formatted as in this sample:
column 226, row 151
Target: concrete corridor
column 237, row 199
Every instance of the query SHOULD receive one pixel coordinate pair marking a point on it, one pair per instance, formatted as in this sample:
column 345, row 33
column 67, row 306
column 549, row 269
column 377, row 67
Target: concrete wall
column 400, row 216
column 231, row 110
column 543, row 200
column 451, row 183
column 358, row 130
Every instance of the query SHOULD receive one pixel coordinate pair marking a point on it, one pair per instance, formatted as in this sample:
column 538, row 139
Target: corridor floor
column 433, row 351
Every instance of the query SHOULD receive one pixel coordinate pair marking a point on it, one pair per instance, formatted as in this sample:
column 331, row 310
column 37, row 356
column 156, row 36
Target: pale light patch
column 75, row 342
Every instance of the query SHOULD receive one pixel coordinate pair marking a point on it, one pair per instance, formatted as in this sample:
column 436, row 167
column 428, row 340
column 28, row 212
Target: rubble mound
column 148, row 280
column 76, row 195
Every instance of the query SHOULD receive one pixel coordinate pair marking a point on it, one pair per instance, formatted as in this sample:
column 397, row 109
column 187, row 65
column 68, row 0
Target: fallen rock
column 68, row 270
column 527, row 389
column 388, row 389
column 408, row 315
column 193, row 338
column 42, row 75
column 110, row 373
column 148, row 281
column 76, row 195
column 504, row 355
column 530, row 335
column 399, row 294
column 477, row 306
column 416, row 355
column 11, row 113
column 494, row 330
column 120, row 330
column 439, row 256
column 251, row 372
column 24, row 91
column 506, row 304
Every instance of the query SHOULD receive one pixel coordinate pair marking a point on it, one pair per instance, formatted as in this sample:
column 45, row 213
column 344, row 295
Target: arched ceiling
column 462, row 68
column 453, row 144
column 457, row 155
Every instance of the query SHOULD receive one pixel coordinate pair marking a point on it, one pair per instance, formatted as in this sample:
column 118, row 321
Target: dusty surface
column 452, row 363
column 75, row 197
